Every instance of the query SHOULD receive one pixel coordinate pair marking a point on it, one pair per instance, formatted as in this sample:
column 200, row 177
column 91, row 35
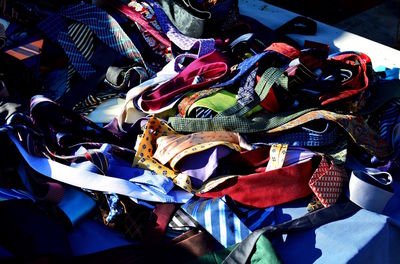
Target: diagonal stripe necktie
column 105, row 27
column 79, row 62
column 225, row 221
column 216, row 217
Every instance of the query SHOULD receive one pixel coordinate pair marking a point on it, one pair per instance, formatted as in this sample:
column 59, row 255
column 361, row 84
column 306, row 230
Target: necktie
column 3, row 37
column 181, row 221
column 260, row 189
column 149, row 28
column 169, row 147
column 370, row 189
column 277, row 156
column 246, row 88
column 216, row 217
column 355, row 126
column 204, row 46
column 241, row 70
column 388, row 120
column 26, row 51
column 52, row 26
column 302, row 136
column 327, row 182
column 202, row 112
column 145, row 151
column 186, row 102
column 105, row 27
column 161, row 216
column 143, row 15
column 78, row 45
column 83, row 39
column 11, row 194
column 211, row 67
column 225, row 221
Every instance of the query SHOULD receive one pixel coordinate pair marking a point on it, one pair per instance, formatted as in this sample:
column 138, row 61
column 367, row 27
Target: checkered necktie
column 327, row 182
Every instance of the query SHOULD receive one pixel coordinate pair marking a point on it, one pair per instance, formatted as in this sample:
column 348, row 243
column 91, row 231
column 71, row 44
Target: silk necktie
column 211, row 67
column 370, row 189
column 11, row 194
column 257, row 188
column 204, row 46
column 52, row 26
column 389, row 119
column 149, row 28
column 78, row 45
column 216, row 217
column 181, row 221
column 302, row 136
column 105, row 27
column 3, row 37
column 226, row 222
column 26, row 51
column 327, row 182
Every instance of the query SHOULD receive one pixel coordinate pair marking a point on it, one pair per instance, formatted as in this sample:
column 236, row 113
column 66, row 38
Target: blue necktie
column 76, row 58
column 218, row 218
column 243, row 68
column 12, row 194
column 246, row 90
column 52, row 26
column 301, row 137
column 389, row 118
column 105, row 27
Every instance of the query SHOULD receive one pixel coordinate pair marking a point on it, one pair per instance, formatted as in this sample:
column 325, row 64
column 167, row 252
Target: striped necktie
column 220, row 218
column 26, row 51
column 78, row 45
column 205, row 46
column 13, row 194
column 105, row 27
column 79, row 62
column 3, row 37
column 389, row 119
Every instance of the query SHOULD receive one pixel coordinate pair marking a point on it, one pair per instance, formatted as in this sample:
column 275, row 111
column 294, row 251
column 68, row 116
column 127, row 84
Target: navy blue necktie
column 389, row 119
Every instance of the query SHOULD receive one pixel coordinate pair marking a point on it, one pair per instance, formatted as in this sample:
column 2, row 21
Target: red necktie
column 263, row 189
column 327, row 182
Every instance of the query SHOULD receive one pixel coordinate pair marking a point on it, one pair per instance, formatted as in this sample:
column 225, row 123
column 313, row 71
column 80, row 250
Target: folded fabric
column 259, row 188
column 202, row 165
column 167, row 73
column 107, row 110
column 218, row 217
column 355, row 126
column 303, row 136
column 328, row 182
column 370, row 189
column 202, row 72
column 170, row 146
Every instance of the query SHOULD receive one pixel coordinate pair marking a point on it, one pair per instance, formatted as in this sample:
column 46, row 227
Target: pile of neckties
column 181, row 126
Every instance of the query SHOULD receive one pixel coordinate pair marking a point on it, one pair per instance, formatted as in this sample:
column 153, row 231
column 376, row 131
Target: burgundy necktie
column 202, row 72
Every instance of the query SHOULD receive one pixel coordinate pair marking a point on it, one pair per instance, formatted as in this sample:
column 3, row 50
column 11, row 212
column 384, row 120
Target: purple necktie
column 205, row 46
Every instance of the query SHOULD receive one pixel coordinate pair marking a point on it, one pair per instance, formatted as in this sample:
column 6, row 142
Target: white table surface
column 339, row 40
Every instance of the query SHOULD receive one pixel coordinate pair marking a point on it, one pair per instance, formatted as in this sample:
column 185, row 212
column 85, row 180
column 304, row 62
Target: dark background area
column 377, row 20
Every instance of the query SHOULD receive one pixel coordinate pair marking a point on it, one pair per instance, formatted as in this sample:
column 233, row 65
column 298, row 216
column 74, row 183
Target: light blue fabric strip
column 83, row 179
